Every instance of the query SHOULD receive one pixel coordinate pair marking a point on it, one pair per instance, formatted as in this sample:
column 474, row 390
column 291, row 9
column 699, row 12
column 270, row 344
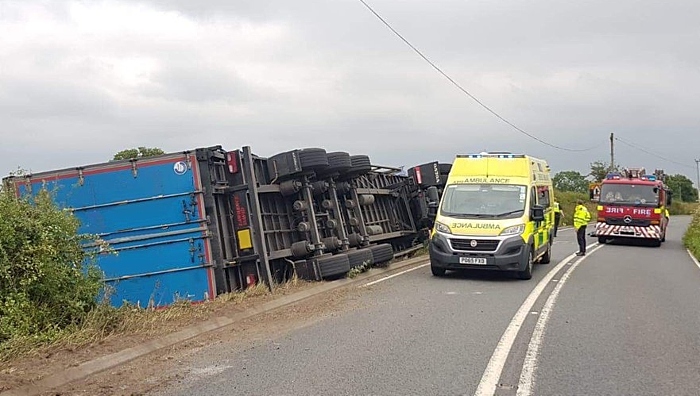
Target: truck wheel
column 360, row 257
column 333, row 266
column 602, row 240
column 655, row 243
column 437, row 271
column 313, row 159
column 381, row 253
column 527, row 272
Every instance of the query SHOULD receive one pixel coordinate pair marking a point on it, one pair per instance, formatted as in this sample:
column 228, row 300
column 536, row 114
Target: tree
column 570, row 181
column 137, row 153
column 682, row 187
column 600, row 169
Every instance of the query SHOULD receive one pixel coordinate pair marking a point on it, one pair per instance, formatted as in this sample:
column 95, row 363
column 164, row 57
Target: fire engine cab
column 633, row 204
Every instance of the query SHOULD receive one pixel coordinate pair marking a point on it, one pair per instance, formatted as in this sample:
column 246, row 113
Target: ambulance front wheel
column 437, row 271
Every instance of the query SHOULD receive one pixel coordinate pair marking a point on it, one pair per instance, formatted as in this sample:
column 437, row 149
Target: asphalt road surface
column 624, row 320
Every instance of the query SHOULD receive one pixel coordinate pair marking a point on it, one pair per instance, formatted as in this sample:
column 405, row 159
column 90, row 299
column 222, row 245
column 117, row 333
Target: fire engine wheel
column 602, row 240
column 655, row 243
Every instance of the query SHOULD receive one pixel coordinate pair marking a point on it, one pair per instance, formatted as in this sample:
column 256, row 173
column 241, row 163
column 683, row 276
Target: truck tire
column 381, row 253
column 360, row 165
column 360, row 257
column 338, row 162
column 602, row 240
column 313, row 159
column 333, row 266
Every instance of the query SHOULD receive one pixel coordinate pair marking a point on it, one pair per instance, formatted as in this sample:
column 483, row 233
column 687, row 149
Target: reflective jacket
column 557, row 209
column 581, row 216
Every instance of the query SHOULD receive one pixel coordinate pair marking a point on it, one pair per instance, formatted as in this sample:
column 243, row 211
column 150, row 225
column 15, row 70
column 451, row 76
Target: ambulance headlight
column 439, row 227
column 513, row 230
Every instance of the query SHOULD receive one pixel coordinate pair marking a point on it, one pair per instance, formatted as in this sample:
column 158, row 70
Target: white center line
column 492, row 373
column 527, row 375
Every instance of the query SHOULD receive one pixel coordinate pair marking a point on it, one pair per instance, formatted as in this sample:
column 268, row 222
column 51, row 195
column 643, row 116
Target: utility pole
column 612, row 151
column 697, row 186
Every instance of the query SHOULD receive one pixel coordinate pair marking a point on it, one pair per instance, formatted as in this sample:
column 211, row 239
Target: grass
column 691, row 238
column 106, row 322
column 683, row 208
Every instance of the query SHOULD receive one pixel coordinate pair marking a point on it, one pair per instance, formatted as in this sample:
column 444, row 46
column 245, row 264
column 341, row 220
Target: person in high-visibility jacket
column 558, row 213
column 581, row 218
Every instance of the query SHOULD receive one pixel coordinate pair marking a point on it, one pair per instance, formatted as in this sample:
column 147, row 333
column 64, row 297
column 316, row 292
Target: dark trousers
column 557, row 218
column 581, row 238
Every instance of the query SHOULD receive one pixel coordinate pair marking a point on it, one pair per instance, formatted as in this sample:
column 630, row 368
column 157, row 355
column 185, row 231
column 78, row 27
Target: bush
column 691, row 239
column 682, row 208
column 45, row 286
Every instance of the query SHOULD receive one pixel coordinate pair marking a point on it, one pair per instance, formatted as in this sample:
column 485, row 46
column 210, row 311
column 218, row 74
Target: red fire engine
column 633, row 204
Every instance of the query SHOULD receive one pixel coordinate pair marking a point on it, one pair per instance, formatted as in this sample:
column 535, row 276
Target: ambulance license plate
column 472, row 260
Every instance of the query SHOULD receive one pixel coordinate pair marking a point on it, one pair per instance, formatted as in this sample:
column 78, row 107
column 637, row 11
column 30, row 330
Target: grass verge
column 106, row 322
column 691, row 238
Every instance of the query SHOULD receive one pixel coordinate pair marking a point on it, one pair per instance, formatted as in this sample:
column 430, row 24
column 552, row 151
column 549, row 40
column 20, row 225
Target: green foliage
column 567, row 202
column 45, row 285
column 682, row 208
column 138, row 153
column 570, row 181
column 691, row 239
column 682, row 187
column 599, row 169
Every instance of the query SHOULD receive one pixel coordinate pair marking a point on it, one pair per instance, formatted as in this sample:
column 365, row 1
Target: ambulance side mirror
column 537, row 213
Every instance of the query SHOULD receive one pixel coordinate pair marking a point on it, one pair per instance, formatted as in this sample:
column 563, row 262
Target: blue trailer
column 159, row 216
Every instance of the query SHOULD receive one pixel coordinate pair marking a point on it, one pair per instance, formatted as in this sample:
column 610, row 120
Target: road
column 624, row 320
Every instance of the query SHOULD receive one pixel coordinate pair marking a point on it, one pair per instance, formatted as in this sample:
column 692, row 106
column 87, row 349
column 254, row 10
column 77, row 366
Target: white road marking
column 527, row 375
column 492, row 373
column 695, row 260
column 394, row 275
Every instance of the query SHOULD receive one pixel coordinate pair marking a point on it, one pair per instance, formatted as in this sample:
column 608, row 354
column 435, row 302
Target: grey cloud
column 569, row 73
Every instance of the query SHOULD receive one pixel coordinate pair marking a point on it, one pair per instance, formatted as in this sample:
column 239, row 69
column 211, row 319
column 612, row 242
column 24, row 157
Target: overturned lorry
column 198, row 223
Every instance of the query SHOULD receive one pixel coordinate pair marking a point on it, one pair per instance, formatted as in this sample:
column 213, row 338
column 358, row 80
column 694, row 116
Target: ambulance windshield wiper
column 509, row 213
column 469, row 215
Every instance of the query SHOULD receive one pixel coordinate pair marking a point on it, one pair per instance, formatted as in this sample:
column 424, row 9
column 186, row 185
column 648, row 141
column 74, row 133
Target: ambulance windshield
column 484, row 200
column 629, row 194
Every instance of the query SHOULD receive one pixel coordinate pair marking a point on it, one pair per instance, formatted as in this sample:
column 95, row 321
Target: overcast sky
column 81, row 80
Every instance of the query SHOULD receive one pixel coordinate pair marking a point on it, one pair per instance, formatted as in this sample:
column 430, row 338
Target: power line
column 652, row 153
column 467, row 92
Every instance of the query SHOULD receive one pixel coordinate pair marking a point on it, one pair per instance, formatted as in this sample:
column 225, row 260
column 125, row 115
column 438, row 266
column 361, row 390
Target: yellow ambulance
column 495, row 213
